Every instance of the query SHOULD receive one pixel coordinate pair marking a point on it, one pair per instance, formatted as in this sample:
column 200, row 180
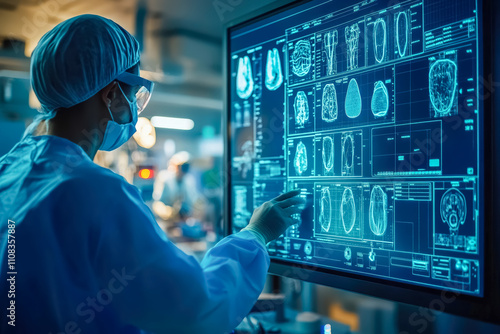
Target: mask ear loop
column 111, row 114
column 133, row 110
column 109, row 107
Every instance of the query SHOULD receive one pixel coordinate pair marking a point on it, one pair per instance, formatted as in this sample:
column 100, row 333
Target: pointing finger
column 287, row 195
column 291, row 202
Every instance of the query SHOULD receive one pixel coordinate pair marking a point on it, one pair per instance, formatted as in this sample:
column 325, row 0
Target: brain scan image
column 352, row 40
column 327, row 154
column 380, row 100
column 300, row 160
column 301, row 58
column 325, row 214
column 353, row 102
column 348, row 210
column 244, row 79
column 301, row 108
column 329, row 106
column 347, row 154
column 442, row 86
column 330, row 40
column 402, row 33
column 274, row 74
column 378, row 211
column 453, row 209
column 379, row 39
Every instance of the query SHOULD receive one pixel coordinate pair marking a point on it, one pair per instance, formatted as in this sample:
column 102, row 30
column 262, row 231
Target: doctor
column 88, row 254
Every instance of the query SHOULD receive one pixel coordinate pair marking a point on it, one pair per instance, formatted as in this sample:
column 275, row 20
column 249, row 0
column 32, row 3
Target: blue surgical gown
column 90, row 257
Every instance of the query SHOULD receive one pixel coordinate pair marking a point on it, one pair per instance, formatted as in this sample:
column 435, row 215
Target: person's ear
column 108, row 93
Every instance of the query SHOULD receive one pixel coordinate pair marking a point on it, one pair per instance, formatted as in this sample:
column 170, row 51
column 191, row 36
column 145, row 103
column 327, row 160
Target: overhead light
column 172, row 123
column 25, row 75
column 145, row 135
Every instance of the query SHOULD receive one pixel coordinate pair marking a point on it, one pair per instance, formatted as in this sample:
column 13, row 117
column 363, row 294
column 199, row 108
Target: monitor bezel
column 485, row 308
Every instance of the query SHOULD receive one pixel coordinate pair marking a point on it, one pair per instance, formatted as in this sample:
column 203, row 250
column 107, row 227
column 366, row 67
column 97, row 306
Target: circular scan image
column 442, row 86
column 380, row 100
column 274, row 75
column 353, row 103
column 325, row 215
column 347, row 154
column 348, row 210
column 329, row 105
column 300, row 160
column 380, row 39
column 402, row 33
column 378, row 211
column 327, row 153
column 453, row 209
column 244, row 78
column 301, row 58
column 301, row 109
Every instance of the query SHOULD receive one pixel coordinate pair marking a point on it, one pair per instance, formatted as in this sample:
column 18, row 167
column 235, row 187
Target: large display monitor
column 376, row 110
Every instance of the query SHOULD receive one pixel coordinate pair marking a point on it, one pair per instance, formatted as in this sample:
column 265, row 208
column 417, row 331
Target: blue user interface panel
column 372, row 110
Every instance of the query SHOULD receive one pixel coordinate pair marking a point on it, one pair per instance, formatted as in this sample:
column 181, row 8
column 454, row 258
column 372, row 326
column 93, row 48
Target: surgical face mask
column 118, row 134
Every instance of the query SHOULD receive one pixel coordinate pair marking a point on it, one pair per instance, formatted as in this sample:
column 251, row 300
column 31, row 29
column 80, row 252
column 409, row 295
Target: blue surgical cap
column 78, row 58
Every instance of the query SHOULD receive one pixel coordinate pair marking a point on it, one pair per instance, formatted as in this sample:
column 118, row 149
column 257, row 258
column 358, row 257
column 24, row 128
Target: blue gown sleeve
column 157, row 287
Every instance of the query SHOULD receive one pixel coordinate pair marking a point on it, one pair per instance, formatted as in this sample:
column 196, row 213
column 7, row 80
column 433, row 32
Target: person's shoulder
column 94, row 191
column 91, row 175
column 92, row 170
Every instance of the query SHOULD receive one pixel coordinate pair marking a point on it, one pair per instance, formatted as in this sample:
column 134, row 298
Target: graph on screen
column 371, row 108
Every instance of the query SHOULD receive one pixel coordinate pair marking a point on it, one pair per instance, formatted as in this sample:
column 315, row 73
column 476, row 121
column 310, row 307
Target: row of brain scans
column 345, row 201
column 442, row 87
column 244, row 75
column 380, row 103
column 442, row 90
column 348, row 144
column 348, row 199
column 301, row 59
column 442, row 94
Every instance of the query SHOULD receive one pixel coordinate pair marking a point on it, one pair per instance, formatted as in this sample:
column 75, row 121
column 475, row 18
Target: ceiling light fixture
column 172, row 123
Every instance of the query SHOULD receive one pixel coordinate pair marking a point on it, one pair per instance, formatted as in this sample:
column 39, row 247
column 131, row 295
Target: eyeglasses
column 140, row 88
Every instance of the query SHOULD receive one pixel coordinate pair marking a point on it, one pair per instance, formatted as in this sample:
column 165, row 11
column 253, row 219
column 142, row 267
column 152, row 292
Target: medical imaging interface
column 370, row 108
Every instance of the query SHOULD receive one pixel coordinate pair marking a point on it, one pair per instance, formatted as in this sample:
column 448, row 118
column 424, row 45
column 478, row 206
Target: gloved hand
column 271, row 219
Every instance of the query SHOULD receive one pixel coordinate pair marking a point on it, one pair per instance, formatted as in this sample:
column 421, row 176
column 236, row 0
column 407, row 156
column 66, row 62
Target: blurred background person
column 177, row 199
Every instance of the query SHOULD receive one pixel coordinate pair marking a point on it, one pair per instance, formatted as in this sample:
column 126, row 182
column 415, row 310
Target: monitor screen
column 371, row 108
